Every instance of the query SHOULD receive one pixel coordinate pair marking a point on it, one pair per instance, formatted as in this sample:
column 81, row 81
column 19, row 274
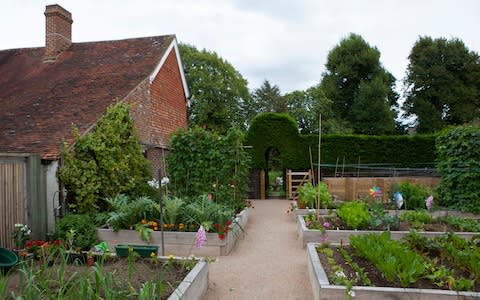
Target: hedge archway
column 276, row 131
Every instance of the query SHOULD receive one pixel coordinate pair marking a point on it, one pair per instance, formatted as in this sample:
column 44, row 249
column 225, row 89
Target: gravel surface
column 268, row 263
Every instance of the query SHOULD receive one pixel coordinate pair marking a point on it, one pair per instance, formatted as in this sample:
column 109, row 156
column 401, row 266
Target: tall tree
column 306, row 107
column 266, row 98
column 352, row 66
column 217, row 89
column 442, row 84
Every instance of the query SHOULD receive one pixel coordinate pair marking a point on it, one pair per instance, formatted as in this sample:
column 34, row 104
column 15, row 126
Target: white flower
column 351, row 293
column 153, row 183
column 165, row 181
column 18, row 225
column 340, row 274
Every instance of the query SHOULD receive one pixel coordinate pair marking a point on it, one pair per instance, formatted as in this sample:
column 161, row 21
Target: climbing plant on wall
column 202, row 162
column 458, row 151
column 105, row 162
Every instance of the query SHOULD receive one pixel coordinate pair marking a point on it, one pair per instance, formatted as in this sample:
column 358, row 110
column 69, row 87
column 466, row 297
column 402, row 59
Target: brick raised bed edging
column 194, row 285
column 336, row 236
column 181, row 243
column 322, row 289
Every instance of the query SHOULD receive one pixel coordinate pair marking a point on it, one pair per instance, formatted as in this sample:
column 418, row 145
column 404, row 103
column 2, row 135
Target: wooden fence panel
column 12, row 197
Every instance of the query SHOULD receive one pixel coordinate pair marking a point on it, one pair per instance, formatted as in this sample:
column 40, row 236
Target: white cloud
column 284, row 41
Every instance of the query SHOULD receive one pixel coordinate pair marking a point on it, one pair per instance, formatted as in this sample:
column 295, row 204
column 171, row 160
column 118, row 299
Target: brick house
column 43, row 91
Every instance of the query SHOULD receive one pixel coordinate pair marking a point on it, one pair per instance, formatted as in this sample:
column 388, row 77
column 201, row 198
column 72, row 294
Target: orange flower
column 143, row 221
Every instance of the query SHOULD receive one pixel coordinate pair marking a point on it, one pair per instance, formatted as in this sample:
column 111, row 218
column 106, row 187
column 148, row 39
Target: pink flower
column 429, row 202
column 200, row 237
column 326, row 225
column 210, row 197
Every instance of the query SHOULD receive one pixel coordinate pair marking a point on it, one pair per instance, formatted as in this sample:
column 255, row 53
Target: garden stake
column 161, row 214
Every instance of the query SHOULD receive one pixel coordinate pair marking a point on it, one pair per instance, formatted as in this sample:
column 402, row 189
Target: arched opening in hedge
column 276, row 145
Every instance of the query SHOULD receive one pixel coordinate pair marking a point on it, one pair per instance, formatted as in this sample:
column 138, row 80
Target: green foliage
column 266, row 98
column 207, row 213
column 217, row 89
column 442, row 84
column 85, row 232
column 308, row 195
column 355, row 214
column 201, row 162
column 105, row 162
column 279, row 131
column 417, row 217
column 458, row 151
column 393, row 258
column 462, row 224
column 306, row 107
column 172, row 208
column 413, row 194
column 126, row 212
column 361, row 89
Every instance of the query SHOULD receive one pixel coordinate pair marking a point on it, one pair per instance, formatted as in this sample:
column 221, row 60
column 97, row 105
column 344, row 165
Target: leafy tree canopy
column 306, row 107
column 442, row 84
column 266, row 98
column 359, row 87
column 217, row 88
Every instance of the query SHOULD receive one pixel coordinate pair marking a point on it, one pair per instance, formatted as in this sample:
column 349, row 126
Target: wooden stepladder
column 295, row 180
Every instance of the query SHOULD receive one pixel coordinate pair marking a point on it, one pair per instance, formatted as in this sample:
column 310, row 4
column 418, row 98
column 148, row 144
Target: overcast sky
column 285, row 42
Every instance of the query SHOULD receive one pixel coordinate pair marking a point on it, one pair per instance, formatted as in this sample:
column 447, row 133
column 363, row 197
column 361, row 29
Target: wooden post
column 262, row 184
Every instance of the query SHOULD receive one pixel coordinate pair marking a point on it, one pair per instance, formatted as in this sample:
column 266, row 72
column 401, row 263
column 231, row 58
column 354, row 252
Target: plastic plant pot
column 8, row 259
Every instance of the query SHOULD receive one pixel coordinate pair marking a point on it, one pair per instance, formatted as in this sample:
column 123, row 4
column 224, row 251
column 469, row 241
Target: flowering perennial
column 200, row 237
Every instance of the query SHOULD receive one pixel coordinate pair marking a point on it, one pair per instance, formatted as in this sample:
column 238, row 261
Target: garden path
column 268, row 263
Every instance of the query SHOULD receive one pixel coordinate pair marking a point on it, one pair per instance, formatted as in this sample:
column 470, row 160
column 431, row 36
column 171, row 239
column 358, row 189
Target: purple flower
column 200, row 237
column 429, row 202
column 326, row 225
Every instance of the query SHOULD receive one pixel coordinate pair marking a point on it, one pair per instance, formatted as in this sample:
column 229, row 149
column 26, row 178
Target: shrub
column 105, row 162
column 414, row 195
column 458, row 155
column 355, row 214
column 85, row 233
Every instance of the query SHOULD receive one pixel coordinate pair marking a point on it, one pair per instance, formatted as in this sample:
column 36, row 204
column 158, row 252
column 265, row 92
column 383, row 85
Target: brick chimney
column 58, row 32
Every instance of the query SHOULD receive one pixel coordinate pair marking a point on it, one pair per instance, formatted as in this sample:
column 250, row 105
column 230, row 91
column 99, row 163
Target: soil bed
column 169, row 273
column 373, row 274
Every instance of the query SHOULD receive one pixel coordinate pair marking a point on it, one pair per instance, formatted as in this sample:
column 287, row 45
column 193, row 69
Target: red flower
column 221, row 236
column 229, row 222
column 215, row 225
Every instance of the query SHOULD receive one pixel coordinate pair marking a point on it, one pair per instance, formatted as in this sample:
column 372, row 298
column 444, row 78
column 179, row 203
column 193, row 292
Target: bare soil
column 140, row 271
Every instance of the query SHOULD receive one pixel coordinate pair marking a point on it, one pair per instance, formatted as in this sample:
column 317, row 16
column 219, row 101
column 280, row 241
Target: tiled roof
column 39, row 102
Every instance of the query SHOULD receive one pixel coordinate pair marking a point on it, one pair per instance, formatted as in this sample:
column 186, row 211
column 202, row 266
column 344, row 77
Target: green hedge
column 272, row 130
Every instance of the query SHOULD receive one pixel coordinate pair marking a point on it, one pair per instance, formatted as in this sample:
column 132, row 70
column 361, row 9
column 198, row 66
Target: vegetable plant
column 355, row 214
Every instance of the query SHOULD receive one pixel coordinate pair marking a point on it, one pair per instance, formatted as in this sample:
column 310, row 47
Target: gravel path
column 268, row 263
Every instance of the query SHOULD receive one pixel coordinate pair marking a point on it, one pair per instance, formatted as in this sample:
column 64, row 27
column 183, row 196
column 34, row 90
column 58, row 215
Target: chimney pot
column 58, row 32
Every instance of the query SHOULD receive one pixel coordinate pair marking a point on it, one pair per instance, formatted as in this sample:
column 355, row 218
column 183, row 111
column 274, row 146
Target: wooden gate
column 295, row 180
column 13, row 196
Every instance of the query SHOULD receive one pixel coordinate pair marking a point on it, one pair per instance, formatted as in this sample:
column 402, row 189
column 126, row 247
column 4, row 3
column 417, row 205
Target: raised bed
column 194, row 285
column 322, row 289
column 437, row 213
column 181, row 243
column 336, row 236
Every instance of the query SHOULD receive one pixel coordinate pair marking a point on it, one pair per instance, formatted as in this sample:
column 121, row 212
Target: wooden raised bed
column 322, row 289
column 180, row 243
column 336, row 236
